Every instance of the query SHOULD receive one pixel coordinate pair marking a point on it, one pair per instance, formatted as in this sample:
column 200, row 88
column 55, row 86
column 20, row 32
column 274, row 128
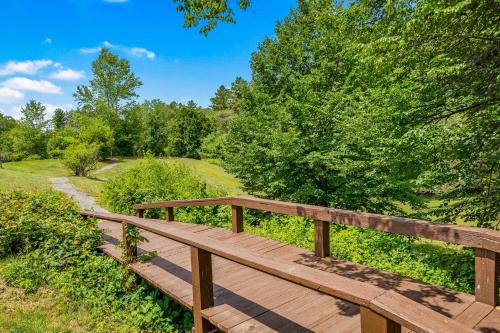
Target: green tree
column 188, row 127
column 33, row 115
column 6, row 123
column 112, row 82
column 59, row 118
column 208, row 13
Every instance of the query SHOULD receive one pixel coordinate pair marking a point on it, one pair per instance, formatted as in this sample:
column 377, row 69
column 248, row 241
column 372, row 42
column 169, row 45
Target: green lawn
column 213, row 175
column 30, row 175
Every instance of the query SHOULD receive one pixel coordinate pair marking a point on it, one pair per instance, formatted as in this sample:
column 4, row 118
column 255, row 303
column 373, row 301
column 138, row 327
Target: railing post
column 129, row 250
column 487, row 276
column 140, row 213
column 169, row 214
column 321, row 238
column 203, row 292
column 237, row 219
column 372, row 322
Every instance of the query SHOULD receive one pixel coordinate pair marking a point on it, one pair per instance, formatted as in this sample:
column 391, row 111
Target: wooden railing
column 485, row 242
column 380, row 310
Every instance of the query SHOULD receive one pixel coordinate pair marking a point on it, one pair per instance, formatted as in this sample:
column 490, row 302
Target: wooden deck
column 247, row 300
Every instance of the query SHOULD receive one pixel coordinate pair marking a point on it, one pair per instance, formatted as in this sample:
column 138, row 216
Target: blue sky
column 47, row 48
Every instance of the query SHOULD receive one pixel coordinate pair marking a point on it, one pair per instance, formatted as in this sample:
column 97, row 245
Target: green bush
column 81, row 158
column 158, row 180
column 50, row 244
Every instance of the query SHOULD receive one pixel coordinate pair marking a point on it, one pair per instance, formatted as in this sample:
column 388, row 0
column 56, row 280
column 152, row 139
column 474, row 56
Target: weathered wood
column 184, row 203
column 468, row 236
column 322, row 238
column 487, row 277
column 237, row 219
column 168, row 274
column 169, row 214
column 139, row 212
column 372, row 322
column 203, row 293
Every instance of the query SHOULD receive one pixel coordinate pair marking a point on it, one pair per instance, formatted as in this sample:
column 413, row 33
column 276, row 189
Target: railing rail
column 485, row 242
column 381, row 310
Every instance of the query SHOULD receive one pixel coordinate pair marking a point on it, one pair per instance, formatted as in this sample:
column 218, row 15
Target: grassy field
column 30, row 175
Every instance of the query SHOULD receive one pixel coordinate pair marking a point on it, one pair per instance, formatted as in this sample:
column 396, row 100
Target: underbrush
column 49, row 244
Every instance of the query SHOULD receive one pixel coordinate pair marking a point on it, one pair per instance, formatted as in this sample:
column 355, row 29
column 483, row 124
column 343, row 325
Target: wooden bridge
column 238, row 282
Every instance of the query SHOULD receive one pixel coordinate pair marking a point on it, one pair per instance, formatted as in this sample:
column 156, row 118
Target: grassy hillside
column 29, row 175
column 36, row 174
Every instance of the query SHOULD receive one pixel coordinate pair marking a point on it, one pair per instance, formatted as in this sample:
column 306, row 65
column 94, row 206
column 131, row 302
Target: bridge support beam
column 169, row 214
column 487, row 277
column 372, row 322
column 321, row 238
column 203, row 292
column 237, row 219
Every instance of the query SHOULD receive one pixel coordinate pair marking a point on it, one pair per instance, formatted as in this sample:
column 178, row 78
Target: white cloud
column 68, row 75
column 41, row 86
column 8, row 95
column 47, row 40
column 24, row 67
column 141, row 52
column 138, row 52
column 90, row 50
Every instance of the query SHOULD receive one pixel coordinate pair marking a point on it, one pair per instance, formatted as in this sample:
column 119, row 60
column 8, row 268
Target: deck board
column 249, row 300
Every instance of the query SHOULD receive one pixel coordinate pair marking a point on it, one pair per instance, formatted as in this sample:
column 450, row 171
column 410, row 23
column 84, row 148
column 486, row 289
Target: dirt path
column 114, row 162
column 62, row 184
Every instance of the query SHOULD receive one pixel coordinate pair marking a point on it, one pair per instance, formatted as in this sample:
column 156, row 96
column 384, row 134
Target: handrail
column 373, row 300
column 485, row 242
column 461, row 235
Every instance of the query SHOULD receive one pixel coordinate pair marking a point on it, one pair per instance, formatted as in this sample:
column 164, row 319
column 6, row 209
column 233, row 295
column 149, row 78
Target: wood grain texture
column 467, row 236
column 486, row 277
column 203, row 292
column 237, row 219
column 372, row 322
column 322, row 239
column 386, row 303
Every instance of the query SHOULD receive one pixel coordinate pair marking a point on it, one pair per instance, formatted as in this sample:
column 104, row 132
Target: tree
column 81, row 158
column 6, row 123
column 186, row 131
column 208, row 13
column 112, row 82
column 33, row 114
column 220, row 101
column 369, row 106
column 59, row 118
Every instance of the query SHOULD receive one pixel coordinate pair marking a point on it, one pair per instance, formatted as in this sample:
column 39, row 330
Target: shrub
column 157, row 180
column 50, row 244
column 81, row 158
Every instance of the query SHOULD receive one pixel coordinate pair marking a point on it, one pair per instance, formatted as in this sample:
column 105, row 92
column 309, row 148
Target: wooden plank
column 468, row 236
column 321, row 238
column 203, row 293
column 237, row 218
column 414, row 316
column 487, row 277
column 474, row 314
column 372, row 322
column 184, row 203
column 491, row 323
column 283, row 268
